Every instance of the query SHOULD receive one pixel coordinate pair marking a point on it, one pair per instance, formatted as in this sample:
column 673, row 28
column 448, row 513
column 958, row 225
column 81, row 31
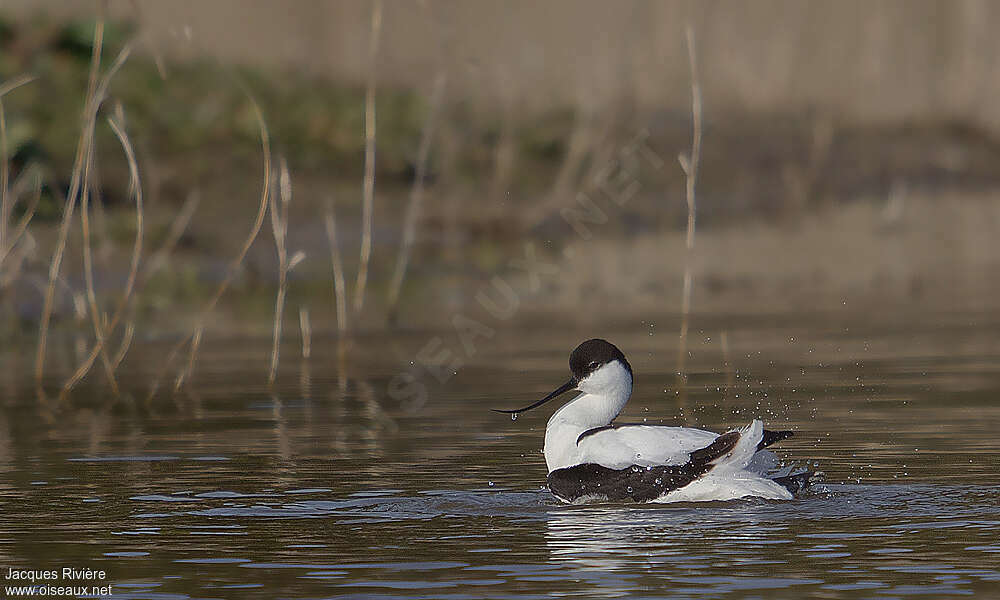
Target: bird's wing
column 687, row 460
column 641, row 484
column 642, row 445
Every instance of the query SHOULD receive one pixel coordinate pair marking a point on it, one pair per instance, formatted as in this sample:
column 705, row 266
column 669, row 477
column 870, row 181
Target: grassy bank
column 496, row 179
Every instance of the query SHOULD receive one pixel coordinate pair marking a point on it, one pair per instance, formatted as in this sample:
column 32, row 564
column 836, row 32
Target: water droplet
column 492, row 484
column 629, row 489
column 513, row 416
column 658, row 481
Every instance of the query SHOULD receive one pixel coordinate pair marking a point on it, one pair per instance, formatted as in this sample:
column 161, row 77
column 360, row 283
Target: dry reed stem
column 12, row 84
column 77, row 184
column 195, row 344
column 6, row 206
column 177, row 228
column 127, row 337
column 305, row 380
column 22, row 225
column 88, row 118
column 279, row 227
column 18, row 258
column 265, row 194
column 690, row 165
column 416, row 196
column 369, row 183
column 30, row 169
column 187, row 373
column 116, row 123
column 4, row 177
column 88, row 270
column 339, row 285
column 306, row 330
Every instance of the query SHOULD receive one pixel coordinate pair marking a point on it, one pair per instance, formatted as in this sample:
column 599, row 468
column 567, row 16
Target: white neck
column 605, row 393
column 591, row 410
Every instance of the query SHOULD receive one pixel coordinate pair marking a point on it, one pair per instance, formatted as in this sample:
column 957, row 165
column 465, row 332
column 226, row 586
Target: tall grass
column 114, row 327
column 96, row 90
column 88, row 269
column 117, row 124
column 258, row 223
column 82, row 150
column 279, row 228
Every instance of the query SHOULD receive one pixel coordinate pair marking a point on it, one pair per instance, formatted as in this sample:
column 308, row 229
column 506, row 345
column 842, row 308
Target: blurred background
column 265, row 266
column 848, row 159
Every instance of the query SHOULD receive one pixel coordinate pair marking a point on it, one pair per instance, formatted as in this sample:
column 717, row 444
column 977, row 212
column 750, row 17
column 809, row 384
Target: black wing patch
column 772, row 437
column 590, row 432
column 637, row 483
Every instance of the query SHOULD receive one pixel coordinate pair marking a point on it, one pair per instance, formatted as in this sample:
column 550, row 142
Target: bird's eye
column 592, row 365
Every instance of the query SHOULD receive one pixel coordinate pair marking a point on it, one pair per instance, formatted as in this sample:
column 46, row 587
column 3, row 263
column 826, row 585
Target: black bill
column 569, row 385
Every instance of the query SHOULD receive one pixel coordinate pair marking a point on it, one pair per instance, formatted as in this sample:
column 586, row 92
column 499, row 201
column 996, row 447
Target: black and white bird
column 590, row 457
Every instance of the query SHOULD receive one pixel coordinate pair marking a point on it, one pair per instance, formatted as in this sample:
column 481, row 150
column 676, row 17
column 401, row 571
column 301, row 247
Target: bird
column 590, row 457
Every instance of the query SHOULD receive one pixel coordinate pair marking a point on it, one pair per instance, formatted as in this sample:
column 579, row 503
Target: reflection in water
column 843, row 538
column 590, row 539
column 326, row 486
column 604, row 538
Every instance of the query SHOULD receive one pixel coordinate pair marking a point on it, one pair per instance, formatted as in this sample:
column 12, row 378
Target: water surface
column 344, row 481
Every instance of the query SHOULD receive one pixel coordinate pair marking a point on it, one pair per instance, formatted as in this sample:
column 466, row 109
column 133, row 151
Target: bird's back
column 620, row 446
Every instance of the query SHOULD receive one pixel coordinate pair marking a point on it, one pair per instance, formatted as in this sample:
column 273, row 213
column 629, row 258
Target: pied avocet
column 590, row 457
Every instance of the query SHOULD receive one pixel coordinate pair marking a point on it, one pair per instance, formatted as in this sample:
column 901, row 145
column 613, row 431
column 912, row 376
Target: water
column 337, row 484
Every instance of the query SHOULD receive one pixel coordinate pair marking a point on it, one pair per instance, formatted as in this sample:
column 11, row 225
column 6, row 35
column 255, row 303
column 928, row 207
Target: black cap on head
column 587, row 358
column 592, row 355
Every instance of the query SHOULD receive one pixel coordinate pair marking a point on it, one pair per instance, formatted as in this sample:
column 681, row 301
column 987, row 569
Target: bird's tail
column 800, row 481
column 742, row 453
